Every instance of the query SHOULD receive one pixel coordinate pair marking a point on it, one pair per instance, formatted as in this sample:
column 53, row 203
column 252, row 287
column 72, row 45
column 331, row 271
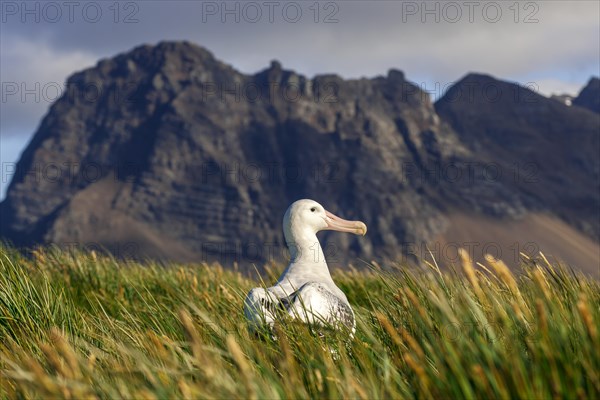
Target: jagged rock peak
column 396, row 75
column 275, row 65
column 589, row 97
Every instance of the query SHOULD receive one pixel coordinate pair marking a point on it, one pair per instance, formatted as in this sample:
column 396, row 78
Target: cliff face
column 167, row 152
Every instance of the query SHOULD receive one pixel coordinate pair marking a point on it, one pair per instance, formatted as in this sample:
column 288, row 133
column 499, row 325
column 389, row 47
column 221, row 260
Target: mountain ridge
column 201, row 158
column 589, row 96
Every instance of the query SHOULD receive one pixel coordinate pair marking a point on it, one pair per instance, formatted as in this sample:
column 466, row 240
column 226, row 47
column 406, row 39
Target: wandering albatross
column 305, row 290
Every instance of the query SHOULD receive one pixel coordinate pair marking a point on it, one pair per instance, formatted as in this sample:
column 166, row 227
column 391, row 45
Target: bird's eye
column 313, row 209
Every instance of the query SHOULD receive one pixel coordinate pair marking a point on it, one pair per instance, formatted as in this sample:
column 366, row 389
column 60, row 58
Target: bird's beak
column 335, row 223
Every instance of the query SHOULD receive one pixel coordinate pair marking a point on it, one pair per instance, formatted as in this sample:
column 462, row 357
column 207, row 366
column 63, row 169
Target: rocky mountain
column 546, row 153
column 167, row 152
column 589, row 97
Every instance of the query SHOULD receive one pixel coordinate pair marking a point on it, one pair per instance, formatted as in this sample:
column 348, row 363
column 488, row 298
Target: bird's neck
column 306, row 255
column 306, row 250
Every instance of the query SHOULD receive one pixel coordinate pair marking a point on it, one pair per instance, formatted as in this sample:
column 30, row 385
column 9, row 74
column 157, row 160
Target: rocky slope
column 589, row 97
column 167, row 152
column 545, row 153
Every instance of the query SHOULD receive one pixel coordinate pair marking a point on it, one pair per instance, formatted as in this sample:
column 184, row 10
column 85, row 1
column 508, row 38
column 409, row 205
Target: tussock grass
column 78, row 325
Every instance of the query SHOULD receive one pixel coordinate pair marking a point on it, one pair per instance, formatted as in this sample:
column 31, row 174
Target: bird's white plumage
column 305, row 290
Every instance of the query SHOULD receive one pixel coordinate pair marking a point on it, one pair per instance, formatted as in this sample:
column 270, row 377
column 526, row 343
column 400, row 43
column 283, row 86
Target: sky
column 550, row 45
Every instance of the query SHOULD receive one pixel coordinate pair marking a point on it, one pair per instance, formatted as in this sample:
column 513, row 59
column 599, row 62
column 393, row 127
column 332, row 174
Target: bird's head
column 309, row 216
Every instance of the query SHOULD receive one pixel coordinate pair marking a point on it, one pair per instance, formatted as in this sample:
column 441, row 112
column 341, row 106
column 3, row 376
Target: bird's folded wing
column 263, row 305
column 314, row 303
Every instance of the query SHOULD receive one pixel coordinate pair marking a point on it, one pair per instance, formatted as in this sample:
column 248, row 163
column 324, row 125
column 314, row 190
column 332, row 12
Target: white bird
column 305, row 290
